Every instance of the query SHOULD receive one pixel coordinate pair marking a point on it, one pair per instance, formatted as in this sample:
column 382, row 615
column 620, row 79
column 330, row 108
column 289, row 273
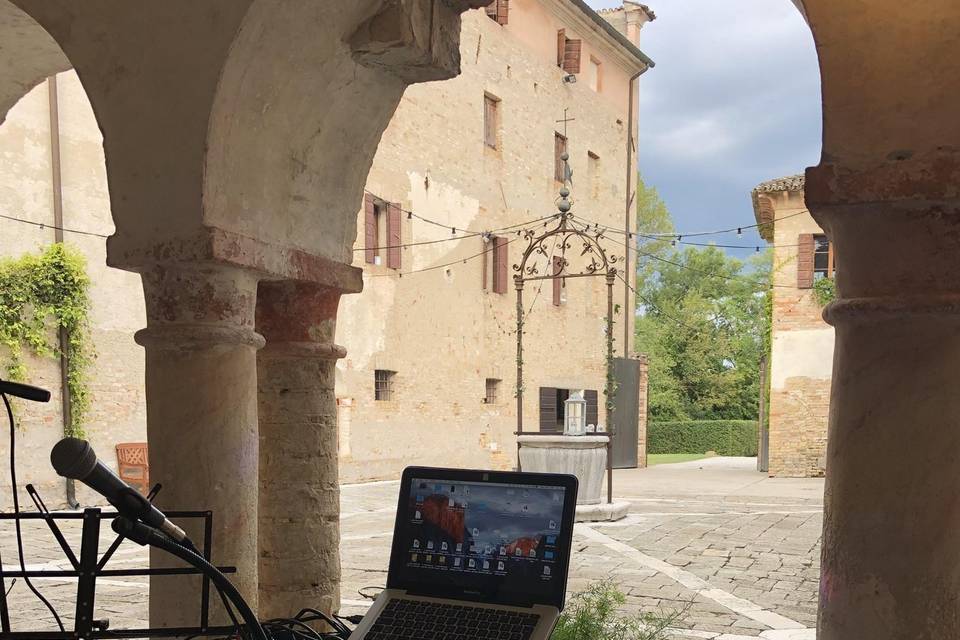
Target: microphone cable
column 16, row 514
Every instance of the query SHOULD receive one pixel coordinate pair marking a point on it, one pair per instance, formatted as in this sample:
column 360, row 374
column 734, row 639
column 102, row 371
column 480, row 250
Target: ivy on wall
column 39, row 295
column 824, row 291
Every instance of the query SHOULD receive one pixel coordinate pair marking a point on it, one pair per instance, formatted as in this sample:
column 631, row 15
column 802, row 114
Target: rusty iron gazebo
column 576, row 240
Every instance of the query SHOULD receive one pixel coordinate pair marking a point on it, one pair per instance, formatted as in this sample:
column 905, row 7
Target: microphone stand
column 144, row 535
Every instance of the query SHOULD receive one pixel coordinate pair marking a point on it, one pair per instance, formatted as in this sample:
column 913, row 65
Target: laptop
column 476, row 555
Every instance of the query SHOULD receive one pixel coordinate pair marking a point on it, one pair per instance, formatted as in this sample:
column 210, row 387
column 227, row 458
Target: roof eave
column 644, row 62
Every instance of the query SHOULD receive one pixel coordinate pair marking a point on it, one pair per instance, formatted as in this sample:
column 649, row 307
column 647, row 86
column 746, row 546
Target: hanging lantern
column 575, row 415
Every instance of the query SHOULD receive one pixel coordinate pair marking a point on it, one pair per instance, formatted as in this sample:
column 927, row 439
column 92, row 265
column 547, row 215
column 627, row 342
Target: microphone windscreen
column 73, row 458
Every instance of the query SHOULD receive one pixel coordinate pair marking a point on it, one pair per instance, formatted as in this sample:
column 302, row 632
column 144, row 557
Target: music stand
column 89, row 567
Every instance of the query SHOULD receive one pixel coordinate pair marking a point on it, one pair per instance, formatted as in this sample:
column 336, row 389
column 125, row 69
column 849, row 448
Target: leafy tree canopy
column 703, row 320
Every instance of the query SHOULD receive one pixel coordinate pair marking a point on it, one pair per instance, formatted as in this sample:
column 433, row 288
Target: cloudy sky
column 734, row 100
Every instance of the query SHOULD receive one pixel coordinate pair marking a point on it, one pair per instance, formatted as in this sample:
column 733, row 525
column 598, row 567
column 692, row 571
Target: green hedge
column 726, row 437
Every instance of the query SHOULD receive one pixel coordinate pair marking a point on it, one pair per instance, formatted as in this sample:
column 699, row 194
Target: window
column 383, row 384
column 492, row 390
column 593, row 74
column 823, row 261
column 815, row 259
column 552, row 408
column 559, row 284
column 491, row 120
column 568, row 52
column 593, row 171
column 495, row 262
column 559, row 148
column 382, row 231
column 499, row 11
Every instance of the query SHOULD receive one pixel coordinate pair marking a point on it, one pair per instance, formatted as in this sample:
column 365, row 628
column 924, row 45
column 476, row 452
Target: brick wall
column 439, row 330
column 801, row 365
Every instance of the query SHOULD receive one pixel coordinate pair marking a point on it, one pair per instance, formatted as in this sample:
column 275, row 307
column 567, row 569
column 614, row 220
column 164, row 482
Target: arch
column 300, row 108
column 28, row 54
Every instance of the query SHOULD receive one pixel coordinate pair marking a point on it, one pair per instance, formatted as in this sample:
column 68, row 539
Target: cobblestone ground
column 738, row 552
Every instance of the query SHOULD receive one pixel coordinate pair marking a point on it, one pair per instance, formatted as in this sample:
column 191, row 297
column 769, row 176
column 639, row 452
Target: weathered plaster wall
column 802, row 353
column 438, row 329
column 536, row 22
column 116, row 377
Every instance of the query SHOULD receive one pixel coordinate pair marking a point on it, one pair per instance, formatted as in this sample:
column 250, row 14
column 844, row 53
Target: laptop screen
column 504, row 540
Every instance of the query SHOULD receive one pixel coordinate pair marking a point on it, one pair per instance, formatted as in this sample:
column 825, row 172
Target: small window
column 492, row 391
column 491, row 120
column 594, row 74
column 495, row 263
column 383, row 384
column 380, row 230
column 559, row 284
column 559, row 148
column 824, row 264
column 593, row 171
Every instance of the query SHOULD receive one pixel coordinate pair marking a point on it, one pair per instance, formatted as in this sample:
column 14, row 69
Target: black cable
column 44, row 225
column 229, row 609
column 16, row 514
column 336, row 624
column 361, row 593
column 144, row 534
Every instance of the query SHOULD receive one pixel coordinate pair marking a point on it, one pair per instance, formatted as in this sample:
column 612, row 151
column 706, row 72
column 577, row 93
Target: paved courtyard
column 740, row 552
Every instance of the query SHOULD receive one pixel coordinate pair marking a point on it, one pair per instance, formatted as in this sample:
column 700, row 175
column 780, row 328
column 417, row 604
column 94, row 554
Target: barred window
column 493, row 388
column 383, row 384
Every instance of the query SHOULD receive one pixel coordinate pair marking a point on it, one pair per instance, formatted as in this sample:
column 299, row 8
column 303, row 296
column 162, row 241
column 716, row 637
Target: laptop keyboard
column 419, row 620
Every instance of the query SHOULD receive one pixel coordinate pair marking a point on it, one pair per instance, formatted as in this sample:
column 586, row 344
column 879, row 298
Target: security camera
column 570, row 78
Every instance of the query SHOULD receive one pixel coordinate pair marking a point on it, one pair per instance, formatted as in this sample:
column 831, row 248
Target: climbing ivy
column 39, row 295
column 824, row 291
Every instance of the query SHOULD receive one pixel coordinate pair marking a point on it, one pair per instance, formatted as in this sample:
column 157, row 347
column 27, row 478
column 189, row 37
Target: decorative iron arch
column 570, row 237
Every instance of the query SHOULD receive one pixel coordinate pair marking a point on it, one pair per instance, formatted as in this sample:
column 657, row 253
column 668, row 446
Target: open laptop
column 476, row 555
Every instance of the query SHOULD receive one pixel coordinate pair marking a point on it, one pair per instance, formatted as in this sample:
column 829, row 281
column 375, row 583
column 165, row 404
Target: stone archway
column 219, row 122
column 216, row 192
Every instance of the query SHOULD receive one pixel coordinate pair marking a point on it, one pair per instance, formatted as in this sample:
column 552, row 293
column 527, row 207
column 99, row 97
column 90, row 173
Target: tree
column 653, row 219
column 705, row 325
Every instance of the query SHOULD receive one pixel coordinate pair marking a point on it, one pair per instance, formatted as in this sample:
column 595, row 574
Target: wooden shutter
column 499, row 264
column 590, row 395
column 394, row 235
column 490, row 121
column 369, row 228
column 499, row 11
column 571, row 56
column 557, row 281
column 548, row 410
column 559, row 146
column 503, row 11
column 805, row 261
column 561, row 46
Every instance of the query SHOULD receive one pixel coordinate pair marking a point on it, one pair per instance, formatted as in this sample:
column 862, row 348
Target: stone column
column 202, row 420
column 642, row 405
column 299, row 493
column 891, row 561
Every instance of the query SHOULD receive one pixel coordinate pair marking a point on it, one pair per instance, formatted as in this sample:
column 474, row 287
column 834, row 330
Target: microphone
column 25, row 391
column 75, row 458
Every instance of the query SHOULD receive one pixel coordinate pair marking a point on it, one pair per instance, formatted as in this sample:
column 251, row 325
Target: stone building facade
column 430, row 370
column 801, row 362
column 434, row 161
column 244, row 209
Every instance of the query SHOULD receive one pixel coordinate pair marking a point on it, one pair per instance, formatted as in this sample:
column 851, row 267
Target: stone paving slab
column 738, row 552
